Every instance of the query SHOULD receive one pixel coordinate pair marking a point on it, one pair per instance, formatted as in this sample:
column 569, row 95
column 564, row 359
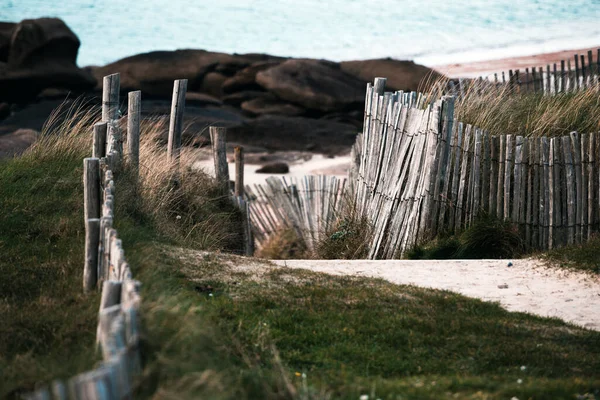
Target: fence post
column 133, row 128
column 99, row 147
column 249, row 238
column 176, row 122
column 92, row 240
column 239, row 170
column 110, row 97
column 218, row 137
column 111, row 294
column 91, row 184
column 114, row 149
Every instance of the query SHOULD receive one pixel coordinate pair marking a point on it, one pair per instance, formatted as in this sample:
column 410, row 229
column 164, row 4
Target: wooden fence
column 105, row 265
column 565, row 76
column 417, row 174
column 310, row 206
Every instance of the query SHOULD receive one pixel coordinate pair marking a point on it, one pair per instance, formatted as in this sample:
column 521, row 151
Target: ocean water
column 430, row 32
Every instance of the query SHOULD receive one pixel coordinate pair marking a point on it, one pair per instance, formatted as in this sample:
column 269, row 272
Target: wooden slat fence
column 417, row 173
column 579, row 72
column 310, row 206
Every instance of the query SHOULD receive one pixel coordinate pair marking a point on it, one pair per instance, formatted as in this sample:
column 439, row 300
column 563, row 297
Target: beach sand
column 300, row 164
column 488, row 68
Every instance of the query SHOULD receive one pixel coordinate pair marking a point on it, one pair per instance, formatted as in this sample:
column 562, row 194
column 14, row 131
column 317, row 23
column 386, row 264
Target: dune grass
column 584, row 257
column 486, row 237
column 47, row 326
column 504, row 110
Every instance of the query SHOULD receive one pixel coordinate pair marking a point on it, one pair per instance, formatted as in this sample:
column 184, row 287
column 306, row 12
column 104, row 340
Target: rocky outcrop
column 17, row 142
column 400, row 74
column 274, row 168
column 275, row 132
column 42, row 53
column 6, row 30
column 270, row 104
column 154, row 72
column 313, row 84
column 236, row 99
column 245, row 79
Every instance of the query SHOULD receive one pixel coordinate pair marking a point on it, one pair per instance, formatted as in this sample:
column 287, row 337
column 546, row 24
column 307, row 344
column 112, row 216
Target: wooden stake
column 576, row 151
column 562, row 76
column 218, row 137
column 545, row 191
column 239, row 170
column 576, row 71
column 501, row 171
column 507, row 175
column 111, row 294
column 91, row 185
column 517, row 206
column 110, row 97
column 134, row 111
column 99, row 146
column 115, row 142
column 90, row 268
column 591, row 184
column 571, row 191
column 176, row 122
column 583, row 76
column 379, row 85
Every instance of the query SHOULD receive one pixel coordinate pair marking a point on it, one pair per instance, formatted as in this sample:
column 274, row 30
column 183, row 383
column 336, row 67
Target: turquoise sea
column 430, row 32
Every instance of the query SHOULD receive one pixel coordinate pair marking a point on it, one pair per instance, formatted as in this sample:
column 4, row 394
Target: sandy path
column 532, row 288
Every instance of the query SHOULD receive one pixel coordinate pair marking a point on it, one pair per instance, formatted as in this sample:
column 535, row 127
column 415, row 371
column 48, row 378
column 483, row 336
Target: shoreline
column 487, row 68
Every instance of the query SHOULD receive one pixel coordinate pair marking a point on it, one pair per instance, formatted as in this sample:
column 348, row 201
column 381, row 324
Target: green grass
column 585, row 257
column 220, row 330
column 47, row 326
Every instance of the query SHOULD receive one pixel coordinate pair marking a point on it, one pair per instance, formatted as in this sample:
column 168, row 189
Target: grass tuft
column 486, row 237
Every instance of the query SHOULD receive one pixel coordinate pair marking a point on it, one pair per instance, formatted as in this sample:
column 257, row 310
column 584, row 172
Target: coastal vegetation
column 504, row 110
column 218, row 326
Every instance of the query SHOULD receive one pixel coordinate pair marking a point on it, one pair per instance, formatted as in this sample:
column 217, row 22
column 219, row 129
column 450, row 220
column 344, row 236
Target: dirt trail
column 527, row 286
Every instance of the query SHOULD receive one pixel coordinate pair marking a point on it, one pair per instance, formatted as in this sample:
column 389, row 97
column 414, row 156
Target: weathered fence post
column 114, row 148
column 176, row 122
column 111, row 294
column 99, row 146
column 91, row 206
column 218, row 136
column 248, row 237
column 133, row 128
column 239, row 170
column 110, row 97
column 92, row 240
column 91, row 184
